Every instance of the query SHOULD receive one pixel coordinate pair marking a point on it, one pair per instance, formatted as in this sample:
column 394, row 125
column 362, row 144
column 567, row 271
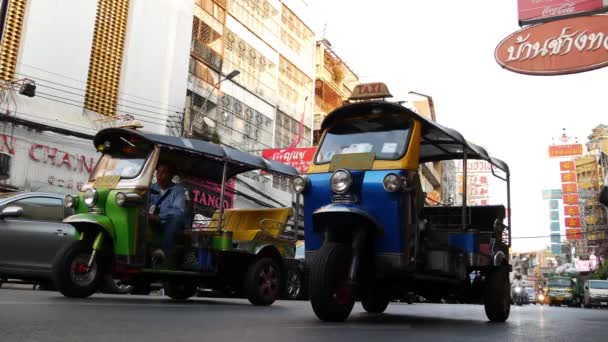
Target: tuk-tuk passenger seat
column 247, row 223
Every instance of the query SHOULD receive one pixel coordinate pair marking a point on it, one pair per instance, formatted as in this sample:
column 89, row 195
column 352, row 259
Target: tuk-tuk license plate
column 603, row 303
column 559, row 298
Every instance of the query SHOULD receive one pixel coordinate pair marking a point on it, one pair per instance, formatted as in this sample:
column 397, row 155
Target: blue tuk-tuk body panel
column 388, row 210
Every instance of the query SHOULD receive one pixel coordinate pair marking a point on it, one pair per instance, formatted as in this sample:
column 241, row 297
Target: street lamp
column 231, row 75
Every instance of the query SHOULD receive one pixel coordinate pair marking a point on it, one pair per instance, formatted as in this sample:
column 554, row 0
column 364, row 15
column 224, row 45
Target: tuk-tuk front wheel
column 262, row 283
column 331, row 296
column 71, row 274
column 496, row 295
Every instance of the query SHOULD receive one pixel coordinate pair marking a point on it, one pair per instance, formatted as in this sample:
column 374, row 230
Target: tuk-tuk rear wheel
column 71, row 274
column 262, row 284
column 376, row 301
column 331, row 297
column 497, row 302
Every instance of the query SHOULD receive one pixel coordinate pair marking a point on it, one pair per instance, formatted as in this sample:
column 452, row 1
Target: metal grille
column 106, row 56
column 11, row 38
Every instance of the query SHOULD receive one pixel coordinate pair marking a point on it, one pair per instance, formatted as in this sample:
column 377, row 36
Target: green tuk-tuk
column 238, row 249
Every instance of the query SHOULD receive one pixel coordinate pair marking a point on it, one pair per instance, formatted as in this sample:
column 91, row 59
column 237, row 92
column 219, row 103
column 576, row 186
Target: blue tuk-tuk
column 369, row 235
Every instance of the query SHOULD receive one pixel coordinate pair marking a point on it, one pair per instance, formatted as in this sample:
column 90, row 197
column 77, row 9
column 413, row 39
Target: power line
column 80, row 81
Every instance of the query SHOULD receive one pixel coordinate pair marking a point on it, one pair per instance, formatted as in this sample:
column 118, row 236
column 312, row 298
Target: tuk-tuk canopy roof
column 238, row 161
column 437, row 142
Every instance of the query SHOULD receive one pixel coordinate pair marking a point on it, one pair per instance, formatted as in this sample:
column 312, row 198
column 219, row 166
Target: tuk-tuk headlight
column 340, row 181
column 299, row 184
column 120, row 199
column 90, row 197
column 392, row 182
column 70, row 201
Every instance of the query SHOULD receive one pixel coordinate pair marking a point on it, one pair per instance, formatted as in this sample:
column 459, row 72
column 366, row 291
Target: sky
column 445, row 49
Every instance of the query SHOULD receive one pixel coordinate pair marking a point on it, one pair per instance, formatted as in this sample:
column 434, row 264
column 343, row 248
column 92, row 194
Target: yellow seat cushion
column 247, row 223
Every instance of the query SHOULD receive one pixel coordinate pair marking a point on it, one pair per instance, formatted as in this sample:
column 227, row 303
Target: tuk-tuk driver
column 167, row 207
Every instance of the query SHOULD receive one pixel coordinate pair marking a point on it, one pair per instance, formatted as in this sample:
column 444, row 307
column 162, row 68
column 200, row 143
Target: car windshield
column 560, row 282
column 599, row 284
column 385, row 135
column 119, row 164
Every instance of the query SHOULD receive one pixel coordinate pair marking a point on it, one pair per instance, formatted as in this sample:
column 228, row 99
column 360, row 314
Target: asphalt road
column 27, row 315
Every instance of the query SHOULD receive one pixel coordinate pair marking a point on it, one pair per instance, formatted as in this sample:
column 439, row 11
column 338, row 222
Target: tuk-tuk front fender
column 86, row 222
column 338, row 214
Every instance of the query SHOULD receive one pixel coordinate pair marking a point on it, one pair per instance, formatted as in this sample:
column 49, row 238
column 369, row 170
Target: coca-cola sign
column 556, row 48
column 544, row 10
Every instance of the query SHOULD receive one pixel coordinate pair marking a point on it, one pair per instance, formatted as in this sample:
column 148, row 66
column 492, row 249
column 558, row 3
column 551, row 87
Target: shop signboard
column 531, row 11
column 568, row 177
column 569, row 188
column 298, row 157
column 556, row 248
column 572, row 210
column 574, row 234
column 552, row 194
column 573, row 221
column 557, row 151
column 571, row 199
column 553, row 204
column 556, row 48
column 555, row 238
column 554, row 215
column 555, row 227
column 566, row 165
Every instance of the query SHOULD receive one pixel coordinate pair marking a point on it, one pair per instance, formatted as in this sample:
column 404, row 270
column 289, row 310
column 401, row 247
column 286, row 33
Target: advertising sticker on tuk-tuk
column 352, row 161
column 106, row 182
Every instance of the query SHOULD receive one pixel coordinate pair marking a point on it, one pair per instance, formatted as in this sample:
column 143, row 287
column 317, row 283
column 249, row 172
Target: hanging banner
column 574, row 234
column 572, row 210
column 298, row 157
column 569, row 188
column 556, row 248
column 571, row 199
column 554, row 215
column 555, row 227
column 566, row 165
column 554, row 204
column 573, row 221
column 555, row 238
column 568, row 177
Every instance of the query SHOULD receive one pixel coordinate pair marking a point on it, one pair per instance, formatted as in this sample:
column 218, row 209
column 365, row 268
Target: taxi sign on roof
column 366, row 91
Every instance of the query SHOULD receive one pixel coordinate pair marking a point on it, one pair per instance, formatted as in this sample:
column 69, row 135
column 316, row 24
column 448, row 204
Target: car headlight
column 299, row 184
column 90, row 197
column 340, row 181
column 541, row 297
column 120, row 199
column 70, row 201
column 392, row 182
column 517, row 289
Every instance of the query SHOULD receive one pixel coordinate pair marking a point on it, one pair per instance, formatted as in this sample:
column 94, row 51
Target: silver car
column 31, row 233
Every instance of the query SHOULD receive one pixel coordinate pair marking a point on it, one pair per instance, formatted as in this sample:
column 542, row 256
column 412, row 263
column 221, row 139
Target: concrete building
column 93, row 65
column 334, row 83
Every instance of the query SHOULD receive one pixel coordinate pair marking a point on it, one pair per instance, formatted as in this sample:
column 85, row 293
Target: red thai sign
column 573, row 222
column 574, row 234
column 571, row 199
column 566, row 166
column 568, row 177
column 550, row 9
column 572, row 210
column 557, row 48
column 565, row 150
column 569, row 188
column 298, row 157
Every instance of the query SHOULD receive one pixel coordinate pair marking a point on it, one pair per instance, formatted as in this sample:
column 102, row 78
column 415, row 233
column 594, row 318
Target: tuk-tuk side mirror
column 11, row 212
column 603, row 196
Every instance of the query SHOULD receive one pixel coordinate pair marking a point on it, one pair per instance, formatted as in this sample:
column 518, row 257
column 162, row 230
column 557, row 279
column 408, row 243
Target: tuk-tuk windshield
column 385, row 135
column 120, row 164
column 559, row 282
